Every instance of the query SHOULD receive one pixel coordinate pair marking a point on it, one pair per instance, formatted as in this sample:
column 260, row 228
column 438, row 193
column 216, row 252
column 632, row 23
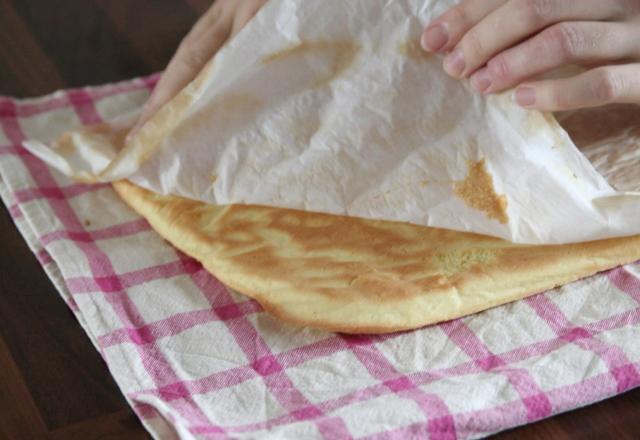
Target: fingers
column 204, row 40
column 513, row 21
column 583, row 43
column 604, row 85
column 248, row 10
column 447, row 30
column 207, row 21
column 223, row 20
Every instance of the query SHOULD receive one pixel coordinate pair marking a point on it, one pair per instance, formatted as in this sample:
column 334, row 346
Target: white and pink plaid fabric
column 196, row 360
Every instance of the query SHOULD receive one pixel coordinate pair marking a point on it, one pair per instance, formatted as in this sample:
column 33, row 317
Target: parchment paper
column 331, row 106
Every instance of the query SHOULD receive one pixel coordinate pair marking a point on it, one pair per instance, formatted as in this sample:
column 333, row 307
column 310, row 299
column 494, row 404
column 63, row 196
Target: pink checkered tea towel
column 196, row 360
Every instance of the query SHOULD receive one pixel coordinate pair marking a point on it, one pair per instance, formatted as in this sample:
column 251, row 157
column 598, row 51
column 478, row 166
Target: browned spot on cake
column 87, row 223
column 341, row 53
column 432, row 283
column 460, row 261
column 478, row 192
column 384, row 286
column 413, row 50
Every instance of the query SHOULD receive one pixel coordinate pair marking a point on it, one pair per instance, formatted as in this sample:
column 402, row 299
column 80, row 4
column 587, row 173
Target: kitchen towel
column 196, row 360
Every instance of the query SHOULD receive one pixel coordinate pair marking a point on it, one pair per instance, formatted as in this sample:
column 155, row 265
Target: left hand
column 223, row 20
column 501, row 44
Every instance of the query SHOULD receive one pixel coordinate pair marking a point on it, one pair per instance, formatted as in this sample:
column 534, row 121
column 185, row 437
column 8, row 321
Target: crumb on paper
column 477, row 191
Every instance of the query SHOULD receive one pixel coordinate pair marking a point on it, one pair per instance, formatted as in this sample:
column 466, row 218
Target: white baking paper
column 331, row 106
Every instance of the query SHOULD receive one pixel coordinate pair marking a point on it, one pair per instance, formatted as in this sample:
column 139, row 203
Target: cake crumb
column 478, row 192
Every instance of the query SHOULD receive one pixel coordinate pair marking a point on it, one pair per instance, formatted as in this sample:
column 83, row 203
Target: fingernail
column 435, row 38
column 454, row 63
column 481, row 81
column 525, row 96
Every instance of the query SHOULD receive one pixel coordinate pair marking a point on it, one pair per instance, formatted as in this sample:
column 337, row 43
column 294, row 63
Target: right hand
column 500, row 44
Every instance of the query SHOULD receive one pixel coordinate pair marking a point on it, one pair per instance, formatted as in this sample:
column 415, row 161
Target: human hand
column 501, row 44
column 223, row 20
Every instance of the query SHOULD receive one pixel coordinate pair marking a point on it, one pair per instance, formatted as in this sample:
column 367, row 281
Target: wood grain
column 23, row 60
column 55, row 358
column 16, row 403
column 121, row 425
column 53, row 383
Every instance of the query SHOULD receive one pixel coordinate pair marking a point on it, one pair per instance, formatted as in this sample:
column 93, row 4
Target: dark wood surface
column 53, row 384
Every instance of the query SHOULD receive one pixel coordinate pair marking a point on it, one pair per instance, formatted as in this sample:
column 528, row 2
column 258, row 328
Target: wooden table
column 53, row 383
